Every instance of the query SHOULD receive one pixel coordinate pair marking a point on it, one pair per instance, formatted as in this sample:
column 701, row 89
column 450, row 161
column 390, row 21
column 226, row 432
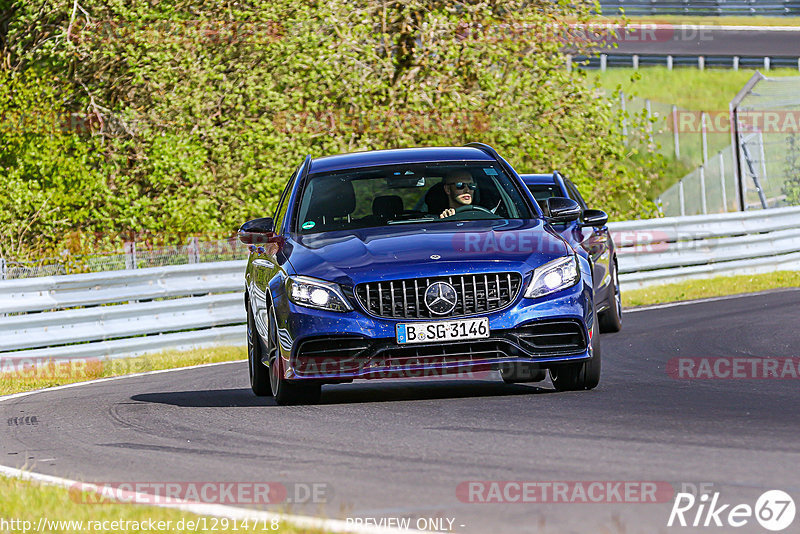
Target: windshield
column 541, row 192
column 408, row 194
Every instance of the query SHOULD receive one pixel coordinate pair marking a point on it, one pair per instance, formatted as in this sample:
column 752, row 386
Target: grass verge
column 14, row 378
column 710, row 287
column 690, row 89
column 30, row 506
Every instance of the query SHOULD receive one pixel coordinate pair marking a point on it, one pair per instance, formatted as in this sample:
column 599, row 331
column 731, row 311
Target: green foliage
column 791, row 171
column 197, row 114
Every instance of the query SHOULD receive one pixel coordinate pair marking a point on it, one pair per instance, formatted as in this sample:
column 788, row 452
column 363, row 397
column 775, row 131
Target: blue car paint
column 396, row 252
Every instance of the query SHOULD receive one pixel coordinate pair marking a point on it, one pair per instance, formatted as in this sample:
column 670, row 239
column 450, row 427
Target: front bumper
column 321, row 345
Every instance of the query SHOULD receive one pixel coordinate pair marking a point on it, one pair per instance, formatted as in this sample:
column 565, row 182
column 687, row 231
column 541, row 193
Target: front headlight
column 553, row 276
column 313, row 293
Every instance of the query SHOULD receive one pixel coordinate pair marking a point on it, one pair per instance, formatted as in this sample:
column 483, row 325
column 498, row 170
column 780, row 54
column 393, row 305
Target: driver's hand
column 447, row 213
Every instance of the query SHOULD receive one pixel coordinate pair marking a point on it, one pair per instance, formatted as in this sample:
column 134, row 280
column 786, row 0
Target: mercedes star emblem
column 440, row 298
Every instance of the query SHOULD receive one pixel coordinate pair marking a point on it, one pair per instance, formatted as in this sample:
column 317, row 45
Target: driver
column 458, row 186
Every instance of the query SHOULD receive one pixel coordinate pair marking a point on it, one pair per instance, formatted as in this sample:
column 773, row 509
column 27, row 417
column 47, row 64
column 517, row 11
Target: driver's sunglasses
column 461, row 185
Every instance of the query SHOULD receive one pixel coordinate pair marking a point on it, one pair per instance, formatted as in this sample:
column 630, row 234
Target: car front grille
column 405, row 299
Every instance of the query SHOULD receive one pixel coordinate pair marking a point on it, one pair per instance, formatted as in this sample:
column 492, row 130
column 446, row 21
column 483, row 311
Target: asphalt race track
column 401, row 449
column 709, row 41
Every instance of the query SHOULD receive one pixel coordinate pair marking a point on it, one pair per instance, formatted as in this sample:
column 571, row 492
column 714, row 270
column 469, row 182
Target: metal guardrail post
column 130, row 254
column 735, row 62
column 681, row 197
column 669, row 62
column 676, row 134
column 701, row 62
column 766, row 63
column 703, row 202
column 2, row 268
column 194, row 250
column 722, row 182
column 603, row 62
column 635, row 61
column 704, row 136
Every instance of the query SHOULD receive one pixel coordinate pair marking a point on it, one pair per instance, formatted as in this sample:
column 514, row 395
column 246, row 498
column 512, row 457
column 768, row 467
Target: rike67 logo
column 774, row 510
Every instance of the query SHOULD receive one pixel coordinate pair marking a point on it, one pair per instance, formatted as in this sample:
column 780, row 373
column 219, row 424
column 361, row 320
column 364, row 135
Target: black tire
column 579, row 376
column 521, row 372
column 287, row 393
column 259, row 373
column 611, row 319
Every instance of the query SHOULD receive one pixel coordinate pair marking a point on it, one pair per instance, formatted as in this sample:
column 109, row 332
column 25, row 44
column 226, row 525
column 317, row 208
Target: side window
column 280, row 211
column 574, row 194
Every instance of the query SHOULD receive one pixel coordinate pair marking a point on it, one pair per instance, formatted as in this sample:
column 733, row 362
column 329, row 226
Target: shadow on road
column 359, row 392
column 208, row 398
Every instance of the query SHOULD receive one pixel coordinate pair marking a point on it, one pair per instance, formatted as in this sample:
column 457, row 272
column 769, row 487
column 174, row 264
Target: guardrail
column 702, row 7
column 118, row 313
column 672, row 249
column 124, row 313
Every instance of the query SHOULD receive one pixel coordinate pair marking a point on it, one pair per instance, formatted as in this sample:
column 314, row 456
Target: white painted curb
column 203, row 509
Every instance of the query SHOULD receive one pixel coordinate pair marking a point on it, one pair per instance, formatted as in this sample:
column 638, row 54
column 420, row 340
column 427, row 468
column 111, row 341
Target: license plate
column 477, row 328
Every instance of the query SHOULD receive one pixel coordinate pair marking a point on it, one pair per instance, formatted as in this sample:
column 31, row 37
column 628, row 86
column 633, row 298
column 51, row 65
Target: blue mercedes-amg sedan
column 415, row 263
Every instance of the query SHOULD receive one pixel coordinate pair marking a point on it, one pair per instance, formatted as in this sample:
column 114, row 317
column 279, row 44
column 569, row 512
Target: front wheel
column 287, row 393
column 579, row 376
column 611, row 319
column 259, row 374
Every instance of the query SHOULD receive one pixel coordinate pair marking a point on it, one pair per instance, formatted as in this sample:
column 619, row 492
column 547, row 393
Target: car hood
column 435, row 249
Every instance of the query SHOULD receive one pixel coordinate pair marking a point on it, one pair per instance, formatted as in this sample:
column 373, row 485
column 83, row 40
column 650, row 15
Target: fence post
column 703, row 189
column 676, row 135
column 130, row 254
column 194, row 250
column 704, row 134
column 722, row 182
column 680, row 196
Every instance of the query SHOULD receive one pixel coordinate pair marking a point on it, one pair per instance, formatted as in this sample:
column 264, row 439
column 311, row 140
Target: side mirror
column 596, row 218
column 563, row 210
column 257, row 231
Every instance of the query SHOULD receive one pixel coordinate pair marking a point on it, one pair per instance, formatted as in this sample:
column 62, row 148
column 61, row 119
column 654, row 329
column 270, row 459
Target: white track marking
column 203, row 509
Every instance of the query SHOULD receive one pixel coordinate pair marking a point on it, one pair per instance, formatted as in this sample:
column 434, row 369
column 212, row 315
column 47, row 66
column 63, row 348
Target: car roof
column 399, row 156
column 538, row 178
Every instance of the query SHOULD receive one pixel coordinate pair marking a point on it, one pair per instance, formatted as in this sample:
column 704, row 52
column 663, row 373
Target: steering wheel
column 472, row 207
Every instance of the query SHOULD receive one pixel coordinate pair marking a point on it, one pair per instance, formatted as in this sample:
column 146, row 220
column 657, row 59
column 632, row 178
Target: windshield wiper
column 407, row 221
